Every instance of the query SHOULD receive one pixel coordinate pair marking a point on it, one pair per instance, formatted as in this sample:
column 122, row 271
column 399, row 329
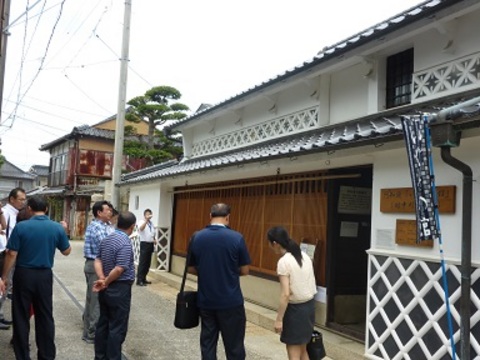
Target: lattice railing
column 407, row 313
column 285, row 125
column 162, row 249
column 458, row 74
column 135, row 238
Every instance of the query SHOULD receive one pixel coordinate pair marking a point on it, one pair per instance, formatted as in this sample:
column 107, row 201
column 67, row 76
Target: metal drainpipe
column 444, row 117
column 466, row 249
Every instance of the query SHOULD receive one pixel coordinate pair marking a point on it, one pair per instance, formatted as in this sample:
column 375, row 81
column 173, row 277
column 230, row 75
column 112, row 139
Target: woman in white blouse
column 296, row 313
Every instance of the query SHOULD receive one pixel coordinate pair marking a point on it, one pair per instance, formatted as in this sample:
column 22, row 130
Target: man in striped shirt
column 116, row 273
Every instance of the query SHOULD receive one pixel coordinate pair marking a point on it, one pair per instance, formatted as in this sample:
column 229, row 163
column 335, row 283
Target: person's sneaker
column 4, row 326
column 88, row 340
column 141, row 284
column 6, row 322
column 147, row 282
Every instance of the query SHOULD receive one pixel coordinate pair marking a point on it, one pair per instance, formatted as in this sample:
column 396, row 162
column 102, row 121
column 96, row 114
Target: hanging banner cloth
column 417, row 141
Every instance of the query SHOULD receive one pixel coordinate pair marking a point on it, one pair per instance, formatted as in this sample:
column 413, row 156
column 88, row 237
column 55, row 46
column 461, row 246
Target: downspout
column 445, row 136
column 466, row 266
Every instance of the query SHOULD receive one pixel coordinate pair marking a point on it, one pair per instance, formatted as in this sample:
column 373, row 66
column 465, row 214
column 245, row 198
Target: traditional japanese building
column 319, row 149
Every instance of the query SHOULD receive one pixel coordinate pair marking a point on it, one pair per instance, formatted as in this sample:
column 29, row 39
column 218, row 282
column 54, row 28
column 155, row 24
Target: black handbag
column 315, row 348
column 186, row 311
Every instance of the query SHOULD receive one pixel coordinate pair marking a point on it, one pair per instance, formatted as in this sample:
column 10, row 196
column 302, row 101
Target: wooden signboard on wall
column 406, row 234
column 401, row 200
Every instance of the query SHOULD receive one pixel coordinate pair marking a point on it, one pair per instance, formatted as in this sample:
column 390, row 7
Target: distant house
column 41, row 173
column 12, row 176
column 80, row 166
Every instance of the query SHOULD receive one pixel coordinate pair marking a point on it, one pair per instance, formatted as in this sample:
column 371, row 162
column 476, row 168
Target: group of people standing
column 29, row 249
column 218, row 256
column 109, row 274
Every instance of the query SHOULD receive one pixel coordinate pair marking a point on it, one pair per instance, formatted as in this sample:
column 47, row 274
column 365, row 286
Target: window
column 137, row 202
column 399, row 78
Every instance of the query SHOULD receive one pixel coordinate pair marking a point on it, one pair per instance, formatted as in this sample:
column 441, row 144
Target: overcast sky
column 63, row 57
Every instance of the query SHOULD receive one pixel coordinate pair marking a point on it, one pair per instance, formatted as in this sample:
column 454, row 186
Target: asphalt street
column 151, row 334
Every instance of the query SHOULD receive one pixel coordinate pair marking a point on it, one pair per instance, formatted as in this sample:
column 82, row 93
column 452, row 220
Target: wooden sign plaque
column 401, row 200
column 406, row 234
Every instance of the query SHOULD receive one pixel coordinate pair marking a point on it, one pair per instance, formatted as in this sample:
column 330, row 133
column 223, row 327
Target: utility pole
column 5, row 16
column 122, row 102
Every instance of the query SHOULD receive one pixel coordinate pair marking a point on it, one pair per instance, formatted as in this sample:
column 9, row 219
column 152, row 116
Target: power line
column 63, row 106
column 129, row 67
column 37, row 123
column 83, row 66
column 89, row 37
column 41, row 62
column 49, row 113
column 86, row 95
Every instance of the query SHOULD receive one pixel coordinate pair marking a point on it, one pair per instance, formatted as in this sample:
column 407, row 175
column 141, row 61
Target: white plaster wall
column 463, row 32
column 391, row 171
column 266, row 108
column 149, row 198
column 348, row 94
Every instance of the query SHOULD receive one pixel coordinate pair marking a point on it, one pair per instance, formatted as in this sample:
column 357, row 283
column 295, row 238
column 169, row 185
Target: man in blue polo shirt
column 32, row 246
column 219, row 257
column 116, row 273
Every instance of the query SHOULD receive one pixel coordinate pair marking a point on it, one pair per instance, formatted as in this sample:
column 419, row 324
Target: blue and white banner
column 417, row 140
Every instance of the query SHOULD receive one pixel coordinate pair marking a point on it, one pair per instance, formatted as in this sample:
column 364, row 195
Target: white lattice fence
column 284, row 125
column 163, row 248
column 135, row 238
column 407, row 316
column 458, row 74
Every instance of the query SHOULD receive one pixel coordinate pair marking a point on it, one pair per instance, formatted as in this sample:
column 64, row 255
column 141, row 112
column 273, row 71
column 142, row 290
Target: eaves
column 374, row 129
column 420, row 15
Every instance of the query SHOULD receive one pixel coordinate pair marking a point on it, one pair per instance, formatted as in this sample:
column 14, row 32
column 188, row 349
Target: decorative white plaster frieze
column 278, row 127
column 452, row 76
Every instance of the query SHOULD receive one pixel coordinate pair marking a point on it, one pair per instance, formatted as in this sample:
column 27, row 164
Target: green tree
column 165, row 149
column 157, row 107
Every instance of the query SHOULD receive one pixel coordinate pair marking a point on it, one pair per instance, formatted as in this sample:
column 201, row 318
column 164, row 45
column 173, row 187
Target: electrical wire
column 86, row 95
column 50, row 114
column 41, row 62
column 41, row 125
column 129, row 67
column 63, row 106
column 89, row 38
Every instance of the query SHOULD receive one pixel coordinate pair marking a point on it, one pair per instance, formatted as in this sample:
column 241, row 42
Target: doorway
column 348, row 239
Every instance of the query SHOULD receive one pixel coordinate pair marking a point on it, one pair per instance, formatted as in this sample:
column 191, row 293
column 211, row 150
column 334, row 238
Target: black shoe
column 88, row 340
column 146, row 282
column 4, row 326
column 141, row 284
column 6, row 322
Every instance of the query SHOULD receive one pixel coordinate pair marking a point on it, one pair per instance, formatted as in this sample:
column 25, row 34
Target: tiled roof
column 89, row 131
column 416, row 13
column 40, row 170
column 148, row 170
column 378, row 128
column 8, row 170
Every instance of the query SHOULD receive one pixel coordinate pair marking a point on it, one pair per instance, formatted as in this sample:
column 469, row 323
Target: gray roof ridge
column 329, row 51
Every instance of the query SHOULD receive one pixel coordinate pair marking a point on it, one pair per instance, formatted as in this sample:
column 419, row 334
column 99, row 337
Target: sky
column 63, row 56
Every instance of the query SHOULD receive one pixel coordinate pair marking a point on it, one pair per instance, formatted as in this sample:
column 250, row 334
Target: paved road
column 151, row 333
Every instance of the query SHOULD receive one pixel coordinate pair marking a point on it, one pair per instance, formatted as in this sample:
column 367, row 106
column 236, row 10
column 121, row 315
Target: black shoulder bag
column 186, row 311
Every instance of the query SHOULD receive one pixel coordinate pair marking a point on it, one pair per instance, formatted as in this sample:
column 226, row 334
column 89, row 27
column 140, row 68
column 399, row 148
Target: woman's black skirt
column 298, row 323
